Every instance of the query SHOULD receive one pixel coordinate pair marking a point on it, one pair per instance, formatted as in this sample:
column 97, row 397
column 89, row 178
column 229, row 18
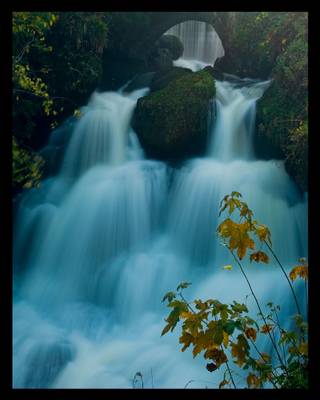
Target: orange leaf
column 266, row 328
column 299, row 270
column 253, row 381
column 251, row 333
column 259, row 256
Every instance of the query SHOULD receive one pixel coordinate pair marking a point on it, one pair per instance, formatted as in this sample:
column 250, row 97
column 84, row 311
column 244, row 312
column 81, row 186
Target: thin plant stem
column 260, row 310
column 306, row 290
column 286, row 275
column 261, row 355
column 281, row 266
column 281, row 330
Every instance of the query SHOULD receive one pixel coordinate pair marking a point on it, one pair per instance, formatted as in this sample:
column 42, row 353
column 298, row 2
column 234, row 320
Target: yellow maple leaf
column 299, row 270
column 263, row 233
column 225, row 339
column 186, row 314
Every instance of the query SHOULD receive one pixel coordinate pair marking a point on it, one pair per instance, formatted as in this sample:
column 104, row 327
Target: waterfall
column 236, row 107
column 202, row 45
column 103, row 239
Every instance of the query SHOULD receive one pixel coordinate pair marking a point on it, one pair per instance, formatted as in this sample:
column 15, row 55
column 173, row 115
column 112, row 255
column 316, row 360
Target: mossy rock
column 161, row 79
column 172, row 123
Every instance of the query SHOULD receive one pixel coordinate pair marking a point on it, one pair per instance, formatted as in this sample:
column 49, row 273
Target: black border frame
column 6, row 389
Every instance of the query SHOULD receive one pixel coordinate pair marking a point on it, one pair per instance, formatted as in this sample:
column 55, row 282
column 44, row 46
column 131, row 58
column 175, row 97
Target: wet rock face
column 166, row 50
column 161, row 79
column 172, row 122
column 173, row 45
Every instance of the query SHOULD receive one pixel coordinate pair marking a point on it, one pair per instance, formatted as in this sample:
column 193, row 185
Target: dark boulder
column 172, row 123
column 162, row 78
column 173, row 44
column 166, row 49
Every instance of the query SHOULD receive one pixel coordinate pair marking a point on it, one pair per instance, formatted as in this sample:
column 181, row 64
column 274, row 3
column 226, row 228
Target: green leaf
column 229, row 327
column 166, row 329
column 183, row 285
column 169, row 296
column 236, row 194
column 218, row 334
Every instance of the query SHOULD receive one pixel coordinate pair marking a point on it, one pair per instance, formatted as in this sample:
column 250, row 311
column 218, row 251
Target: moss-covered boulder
column 162, row 78
column 172, row 123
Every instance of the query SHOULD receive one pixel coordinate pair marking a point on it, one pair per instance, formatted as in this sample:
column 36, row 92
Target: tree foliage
column 278, row 44
column 56, row 64
column 26, row 167
column 225, row 332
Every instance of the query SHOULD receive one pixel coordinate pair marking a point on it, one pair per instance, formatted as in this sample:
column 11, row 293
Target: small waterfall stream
column 202, row 45
column 101, row 242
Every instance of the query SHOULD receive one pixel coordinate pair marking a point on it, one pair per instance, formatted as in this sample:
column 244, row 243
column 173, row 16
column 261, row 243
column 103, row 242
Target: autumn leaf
column 259, row 256
column 303, row 348
column 238, row 236
column 251, row 333
column 240, row 350
column 186, row 339
column 186, row 314
column 223, row 383
column 265, row 358
column 216, row 355
column 226, row 227
column 242, row 249
column 266, row 328
column 227, row 267
column 225, row 339
column 211, row 367
column 299, row 270
column 253, row 381
column 196, row 350
column 245, row 211
column 263, row 233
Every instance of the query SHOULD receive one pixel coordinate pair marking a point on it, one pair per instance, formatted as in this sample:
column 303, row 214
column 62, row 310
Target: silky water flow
column 102, row 240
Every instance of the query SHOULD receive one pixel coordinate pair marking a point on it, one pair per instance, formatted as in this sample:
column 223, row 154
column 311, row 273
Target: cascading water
column 236, row 108
column 202, row 45
column 101, row 242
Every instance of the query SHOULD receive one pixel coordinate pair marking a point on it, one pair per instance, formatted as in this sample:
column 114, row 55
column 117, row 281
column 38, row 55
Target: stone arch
column 161, row 22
